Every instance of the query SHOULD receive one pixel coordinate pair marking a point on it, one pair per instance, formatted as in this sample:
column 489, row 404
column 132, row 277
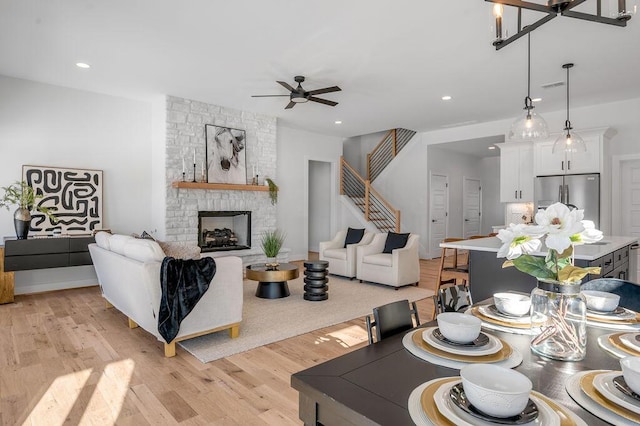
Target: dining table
column 372, row 384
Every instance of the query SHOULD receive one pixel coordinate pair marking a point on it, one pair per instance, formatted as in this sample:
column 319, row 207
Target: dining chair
column 451, row 273
column 628, row 291
column 391, row 319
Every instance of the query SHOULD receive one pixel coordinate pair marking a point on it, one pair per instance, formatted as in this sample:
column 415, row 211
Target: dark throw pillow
column 353, row 236
column 395, row 241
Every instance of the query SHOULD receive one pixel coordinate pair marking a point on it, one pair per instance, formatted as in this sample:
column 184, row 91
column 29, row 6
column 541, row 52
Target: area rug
column 266, row 321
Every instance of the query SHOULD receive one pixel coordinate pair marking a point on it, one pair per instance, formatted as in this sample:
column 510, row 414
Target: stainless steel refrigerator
column 576, row 191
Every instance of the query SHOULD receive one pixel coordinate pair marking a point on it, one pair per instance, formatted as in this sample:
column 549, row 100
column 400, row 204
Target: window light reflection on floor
column 349, row 336
column 59, row 399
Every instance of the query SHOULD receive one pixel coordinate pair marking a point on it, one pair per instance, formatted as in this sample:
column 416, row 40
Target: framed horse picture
column 226, row 162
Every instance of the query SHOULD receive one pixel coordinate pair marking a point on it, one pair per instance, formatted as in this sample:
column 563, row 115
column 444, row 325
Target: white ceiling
column 393, row 59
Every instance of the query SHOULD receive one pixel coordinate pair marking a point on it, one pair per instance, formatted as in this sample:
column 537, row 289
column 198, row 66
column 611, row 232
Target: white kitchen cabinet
column 516, row 172
column 547, row 163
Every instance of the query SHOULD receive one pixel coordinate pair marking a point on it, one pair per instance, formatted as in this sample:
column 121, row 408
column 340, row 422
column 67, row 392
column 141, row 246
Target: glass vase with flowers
column 558, row 310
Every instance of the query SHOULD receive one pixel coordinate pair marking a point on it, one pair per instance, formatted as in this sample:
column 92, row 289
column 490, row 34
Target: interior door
column 472, row 207
column 438, row 207
column 630, row 205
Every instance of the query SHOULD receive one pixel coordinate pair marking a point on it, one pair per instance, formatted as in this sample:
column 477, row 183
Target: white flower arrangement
column 562, row 229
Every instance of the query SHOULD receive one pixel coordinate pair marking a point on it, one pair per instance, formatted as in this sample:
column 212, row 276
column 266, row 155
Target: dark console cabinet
column 50, row 252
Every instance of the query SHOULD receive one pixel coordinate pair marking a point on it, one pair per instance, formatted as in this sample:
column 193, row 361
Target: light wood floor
column 66, row 359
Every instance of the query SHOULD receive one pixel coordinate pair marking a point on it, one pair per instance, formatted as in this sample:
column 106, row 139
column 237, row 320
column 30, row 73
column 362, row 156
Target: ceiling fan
column 299, row 95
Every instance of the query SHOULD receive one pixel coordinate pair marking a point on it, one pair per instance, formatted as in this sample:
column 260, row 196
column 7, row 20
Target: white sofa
column 399, row 268
column 342, row 260
column 128, row 271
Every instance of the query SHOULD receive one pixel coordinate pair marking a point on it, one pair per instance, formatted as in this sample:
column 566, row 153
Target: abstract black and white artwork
column 76, row 195
column 225, row 155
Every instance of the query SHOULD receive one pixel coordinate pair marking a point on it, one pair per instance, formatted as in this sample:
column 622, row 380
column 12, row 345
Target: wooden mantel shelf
column 219, row 186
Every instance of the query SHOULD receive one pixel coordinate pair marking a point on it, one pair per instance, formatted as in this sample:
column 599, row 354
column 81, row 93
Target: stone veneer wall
column 186, row 121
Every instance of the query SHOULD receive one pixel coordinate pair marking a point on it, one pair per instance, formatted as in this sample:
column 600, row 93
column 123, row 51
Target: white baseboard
column 41, row 288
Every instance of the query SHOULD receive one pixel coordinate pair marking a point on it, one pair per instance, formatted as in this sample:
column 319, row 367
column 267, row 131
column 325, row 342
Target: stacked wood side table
column 315, row 280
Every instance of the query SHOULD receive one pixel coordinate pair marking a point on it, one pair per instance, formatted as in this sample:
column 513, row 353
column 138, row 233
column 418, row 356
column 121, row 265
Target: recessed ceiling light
column 338, row 122
column 492, row 147
column 82, row 65
column 536, row 99
column 446, row 98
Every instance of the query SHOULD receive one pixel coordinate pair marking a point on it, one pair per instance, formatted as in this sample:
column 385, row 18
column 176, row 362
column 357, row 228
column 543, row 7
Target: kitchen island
column 614, row 255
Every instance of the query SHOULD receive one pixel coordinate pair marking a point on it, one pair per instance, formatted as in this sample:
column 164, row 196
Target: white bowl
column 601, row 301
column 631, row 372
column 496, row 391
column 459, row 327
column 512, row 303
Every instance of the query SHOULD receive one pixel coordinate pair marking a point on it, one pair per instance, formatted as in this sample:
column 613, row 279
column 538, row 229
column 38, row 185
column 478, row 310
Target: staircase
column 374, row 207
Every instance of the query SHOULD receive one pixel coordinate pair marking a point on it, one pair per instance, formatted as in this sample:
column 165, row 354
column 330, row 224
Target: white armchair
column 342, row 260
column 399, row 268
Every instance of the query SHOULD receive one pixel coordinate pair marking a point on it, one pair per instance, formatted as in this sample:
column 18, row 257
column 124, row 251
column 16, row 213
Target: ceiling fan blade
column 325, row 90
column 286, row 86
column 266, row 96
column 290, row 105
column 322, row 101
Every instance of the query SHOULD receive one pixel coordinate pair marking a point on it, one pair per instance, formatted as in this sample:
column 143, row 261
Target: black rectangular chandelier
column 552, row 9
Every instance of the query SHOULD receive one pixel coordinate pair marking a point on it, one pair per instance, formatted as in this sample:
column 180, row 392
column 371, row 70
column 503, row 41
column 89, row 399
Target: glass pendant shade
column 529, row 127
column 569, row 142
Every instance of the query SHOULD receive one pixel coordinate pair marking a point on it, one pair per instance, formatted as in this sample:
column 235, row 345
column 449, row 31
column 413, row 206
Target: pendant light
column 531, row 126
column 569, row 142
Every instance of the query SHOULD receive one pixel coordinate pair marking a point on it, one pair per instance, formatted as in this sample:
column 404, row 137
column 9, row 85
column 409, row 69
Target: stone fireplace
column 224, row 230
column 185, row 134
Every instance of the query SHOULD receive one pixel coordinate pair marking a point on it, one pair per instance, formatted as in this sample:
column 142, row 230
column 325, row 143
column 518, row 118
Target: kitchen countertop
column 607, row 245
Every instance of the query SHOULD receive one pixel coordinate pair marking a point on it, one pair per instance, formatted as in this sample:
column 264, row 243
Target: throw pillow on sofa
column 179, row 250
column 354, row 236
column 395, row 241
column 143, row 250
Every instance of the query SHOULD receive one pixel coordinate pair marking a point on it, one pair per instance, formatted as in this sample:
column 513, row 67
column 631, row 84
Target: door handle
column 566, row 199
column 515, row 195
column 433, row 220
column 521, row 194
column 466, row 220
column 568, row 164
column 560, row 198
column 562, row 165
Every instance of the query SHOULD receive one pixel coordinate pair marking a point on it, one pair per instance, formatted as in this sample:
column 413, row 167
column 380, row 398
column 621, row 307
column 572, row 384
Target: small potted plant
column 23, row 195
column 271, row 245
column 273, row 190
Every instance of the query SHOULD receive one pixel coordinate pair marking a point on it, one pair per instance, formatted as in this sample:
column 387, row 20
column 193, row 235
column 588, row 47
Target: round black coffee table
column 272, row 282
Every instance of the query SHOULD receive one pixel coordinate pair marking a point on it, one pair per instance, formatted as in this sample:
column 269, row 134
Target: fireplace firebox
column 224, row 230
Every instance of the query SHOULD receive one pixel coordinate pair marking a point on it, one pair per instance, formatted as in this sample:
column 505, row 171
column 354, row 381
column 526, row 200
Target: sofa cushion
column 180, row 250
column 102, row 240
column 382, row 259
column 143, row 250
column 395, row 241
column 118, row 241
column 338, row 253
column 353, row 236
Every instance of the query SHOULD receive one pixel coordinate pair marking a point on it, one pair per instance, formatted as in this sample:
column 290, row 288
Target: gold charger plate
column 429, row 406
column 476, row 312
column 614, row 339
column 586, row 384
column 634, row 321
column 501, row 355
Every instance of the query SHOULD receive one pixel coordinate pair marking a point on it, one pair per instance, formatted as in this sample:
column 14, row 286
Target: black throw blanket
column 183, row 283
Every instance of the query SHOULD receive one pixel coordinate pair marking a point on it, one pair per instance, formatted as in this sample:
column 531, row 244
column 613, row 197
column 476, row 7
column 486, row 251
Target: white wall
column 49, row 125
column 319, row 203
column 492, row 209
column 295, row 149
